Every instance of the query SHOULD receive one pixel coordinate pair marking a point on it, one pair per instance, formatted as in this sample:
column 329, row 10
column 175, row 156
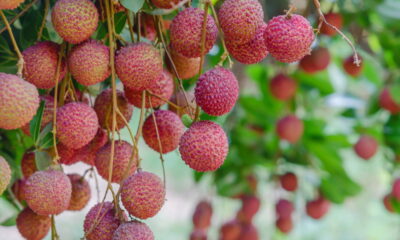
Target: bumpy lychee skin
column 230, row 230
column 250, row 206
column 351, row 68
column 317, row 61
column 289, row 39
column 250, row 52
column 75, row 20
column 33, row 226
column 366, row 147
column 5, row 174
column 186, row 31
column 87, row 154
column 333, row 18
column 396, row 189
column 289, row 181
column 89, row 62
column 202, row 215
column 134, row 230
column 285, row 225
column 67, row 155
column 284, row 208
column 290, row 128
column 317, row 208
column 10, row 4
column 240, row 19
column 40, row 64
column 28, row 164
column 217, row 91
column 163, row 87
column 165, row 3
column 204, row 146
column 143, row 194
column 103, row 108
column 19, row 101
column 282, row 87
column 47, row 114
column 122, row 156
column 186, row 67
column 80, row 192
column 138, row 66
column 77, row 124
column 48, row 192
column 387, row 102
column 106, row 220
column 169, row 127
column 387, row 202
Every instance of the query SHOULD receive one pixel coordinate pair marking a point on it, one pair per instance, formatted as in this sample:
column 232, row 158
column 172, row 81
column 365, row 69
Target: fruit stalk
column 46, row 11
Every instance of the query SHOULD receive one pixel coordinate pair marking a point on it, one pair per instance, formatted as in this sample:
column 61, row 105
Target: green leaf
column 319, row 81
column 133, row 5
column 187, row 120
column 43, row 160
column 36, row 122
column 46, row 137
column 198, row 176
column 12, row 221
column 395, row 92
column 337, row 188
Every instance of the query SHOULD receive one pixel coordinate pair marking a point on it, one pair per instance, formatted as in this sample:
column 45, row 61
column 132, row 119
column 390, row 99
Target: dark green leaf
column 36, row 122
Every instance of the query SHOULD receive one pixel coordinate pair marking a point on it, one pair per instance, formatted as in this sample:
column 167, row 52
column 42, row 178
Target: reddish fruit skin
column 77, row 124
column 285, row 225
column 48, row 192
column 366, row 147
column 10, row 4
column 289, row 39
column 163, row 87
column 143, row 194
column 28, row 164
column 198, row 234
column 133, row 231
column 18, row 189
column 5, row 174
column 250, row 52
column 334, row 19
column 75, row 20
column 19, row 101
column 67, row 155
column 351, row 68
column 186, row 67
column 169, row 127
column 33, row 226
column 230, row 230
column 317, row 61
column 284, row 208
column 290, row 128
column 387, row 203
column 250, row 206
column 89, row 62
column 106, row 226
column 40, row 64
column 283, row 87
column 387, row 102
column 240, row 19
column 186, row 30
column 138, row 66
column 202, row 216
column 103, row 108
column 248, row 232
column 217, row 91
column 289, row 182
column 47, row 114
column 122, row 156
column 317, row 208
column 204, row 146
column 80, row 192
column 396, row 189
column 87, row 154
column 165, row 3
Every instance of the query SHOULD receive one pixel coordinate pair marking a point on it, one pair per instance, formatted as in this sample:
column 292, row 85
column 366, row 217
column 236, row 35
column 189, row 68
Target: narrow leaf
column 43, row 160
column 36, row 122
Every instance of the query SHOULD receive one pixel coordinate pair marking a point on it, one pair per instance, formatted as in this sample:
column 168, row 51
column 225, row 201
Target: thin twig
column 130, row 26
column 46, row 11
column 203, row 35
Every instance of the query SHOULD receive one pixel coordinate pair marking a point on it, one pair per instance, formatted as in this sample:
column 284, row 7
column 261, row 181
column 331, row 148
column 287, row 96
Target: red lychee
column 317, row 61
column 289, row 181
column 290, row 128
column 333, row 18
column 28, row 164
column 33, row 226
column 5, row 174
column 186, row 67
column 67, row 155
column 80, row 192
column 230, row 230
column 350, row 66
column 285, row 225
column 202, row 215
column 18, row 189
column 317, row 208
column 387, row 202
column 186, row 107
column 387, row 102
column 165, row 3
column 396, row 189
column 282, row 87
column 250, row 206
column 10, row 4
column 248, row 232
column 198, row 234
column 87, row 154
column 134, row 230
column 284, row 208
column 366, row 147
column 204, row 146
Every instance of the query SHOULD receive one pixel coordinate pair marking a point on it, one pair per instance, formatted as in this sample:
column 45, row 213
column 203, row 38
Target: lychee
column 248, row 232
column 10, row 4
column 240, row 19
column 80, row 192
column 387, row 102
column 33, row 226
column 217, row 91
column 143, row 194
column 101, row 222
column 284, row 208
column 40, row 65
column 19, row 101
column 204, row 146
column 290, row 128
column 122, row 157
column 289, row 38
column 134, row 230
column 77, row 124
column 87, row 154
column 186, row 67
column 282, row 87
column 66, row 154
column 163, row 87
column 250, row 206
column 198, row 234
column 165, row 3
column 366, row 147
column 285, row 225
column 47, row 114
column 396, row 189
column 317, row 208
column 186, row 107
column 186, row 31
column 103, row 107
column 48, row 192
column 169, row 127
column 317, row 61
column 351, row 68
column 75, row 20
column 230, row 230
column 28, row 164
column 89, row 62
column 334, row 19
column 250, row 52
column 387, row 202
column 138, row 66
column 289, row 181
column 18, row 189
column 5, row 174
column 202, row 215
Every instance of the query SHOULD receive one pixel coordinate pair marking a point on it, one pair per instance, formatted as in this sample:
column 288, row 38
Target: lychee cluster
column 201, row 220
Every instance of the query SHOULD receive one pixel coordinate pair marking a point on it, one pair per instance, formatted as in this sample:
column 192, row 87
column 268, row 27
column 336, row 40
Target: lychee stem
column 203, row 35
column 130, row 26
column 54, row 235
column 165, row 100
column 289, row 12
column 46, row 11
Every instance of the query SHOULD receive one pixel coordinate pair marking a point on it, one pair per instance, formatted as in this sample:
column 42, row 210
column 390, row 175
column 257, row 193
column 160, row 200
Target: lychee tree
column 239, row 88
